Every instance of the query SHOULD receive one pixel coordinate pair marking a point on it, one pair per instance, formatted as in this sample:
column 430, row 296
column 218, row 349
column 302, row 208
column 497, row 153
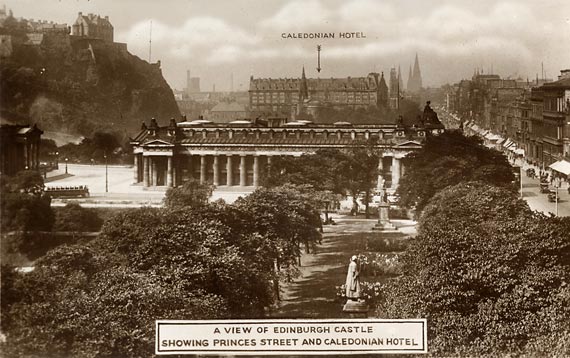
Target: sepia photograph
column 216, row 178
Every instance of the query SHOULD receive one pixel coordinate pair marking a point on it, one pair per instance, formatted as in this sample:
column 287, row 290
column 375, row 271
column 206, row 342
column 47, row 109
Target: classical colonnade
column 154, row 169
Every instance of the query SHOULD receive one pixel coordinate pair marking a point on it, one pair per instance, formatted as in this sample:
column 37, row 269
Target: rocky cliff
column 78, row 85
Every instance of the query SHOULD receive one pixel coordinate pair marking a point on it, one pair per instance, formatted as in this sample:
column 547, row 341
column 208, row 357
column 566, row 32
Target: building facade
column 534, row 116
column 238, row 153
column 19, row 147
column 93, row 26
column 285, row 96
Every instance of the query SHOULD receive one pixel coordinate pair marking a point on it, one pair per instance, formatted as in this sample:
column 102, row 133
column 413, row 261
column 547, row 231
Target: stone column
column 242, row 171
column 395, row 172
column 380, row 174
column 169, row 176
column 216, row 170
column 37, row 155
column 229, row 174
column 27, row 156
column 256, row 171
column 202, row 169
column 146, row 172
column 154, row 172
column 136, row 168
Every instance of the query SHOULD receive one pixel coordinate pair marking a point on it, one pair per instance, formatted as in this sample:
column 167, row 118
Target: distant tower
column 303, row 93
column 188, row 80
column 400, row 80
column 416, row 77
column 303, row 88
column 409, row 84
column 383, row 99
column 394, row 88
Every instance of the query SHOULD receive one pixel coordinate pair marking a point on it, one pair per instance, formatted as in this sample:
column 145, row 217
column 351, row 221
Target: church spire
column 303, row 88
column 417, row 75
column 410, row 82
column 400, row 80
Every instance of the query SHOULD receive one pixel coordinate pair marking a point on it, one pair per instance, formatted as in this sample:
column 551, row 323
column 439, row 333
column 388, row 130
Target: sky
column 217, row 40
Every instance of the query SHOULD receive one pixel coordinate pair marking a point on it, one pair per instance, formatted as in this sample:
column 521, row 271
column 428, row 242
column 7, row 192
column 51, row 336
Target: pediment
column 157, row 143
column 409, row 143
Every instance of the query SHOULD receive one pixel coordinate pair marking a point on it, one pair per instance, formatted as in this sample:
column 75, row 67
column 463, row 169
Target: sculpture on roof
column 429, row 115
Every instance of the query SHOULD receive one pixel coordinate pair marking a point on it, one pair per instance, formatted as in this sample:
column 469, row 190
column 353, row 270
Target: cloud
column 194, row 38
column 451, row 32
column 299, row 15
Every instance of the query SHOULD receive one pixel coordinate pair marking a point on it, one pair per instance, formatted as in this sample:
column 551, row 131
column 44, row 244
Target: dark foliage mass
column 190, row 193
column 23, row 205
column 447, row 160
column 193, row 261
column 100, row 148
column 490, row 276
column 350, row 172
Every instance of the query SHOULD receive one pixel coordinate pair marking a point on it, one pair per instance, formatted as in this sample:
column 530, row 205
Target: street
column 539, row 202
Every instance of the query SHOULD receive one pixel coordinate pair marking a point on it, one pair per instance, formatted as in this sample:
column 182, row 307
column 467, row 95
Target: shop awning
column 508, row 143
column 561, row 166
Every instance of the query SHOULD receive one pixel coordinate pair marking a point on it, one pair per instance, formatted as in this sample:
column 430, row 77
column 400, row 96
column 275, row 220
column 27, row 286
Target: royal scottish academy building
column 236, row 154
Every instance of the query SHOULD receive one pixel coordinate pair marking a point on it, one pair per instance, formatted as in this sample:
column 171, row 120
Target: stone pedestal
column 384, row 223
column 355, row 309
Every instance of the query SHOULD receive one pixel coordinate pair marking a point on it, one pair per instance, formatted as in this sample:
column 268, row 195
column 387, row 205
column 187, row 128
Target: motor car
column 552, row 197
column 544, row 189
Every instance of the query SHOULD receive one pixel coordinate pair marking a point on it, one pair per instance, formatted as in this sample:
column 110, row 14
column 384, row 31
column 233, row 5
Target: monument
column 384, row 223
column 355, row 306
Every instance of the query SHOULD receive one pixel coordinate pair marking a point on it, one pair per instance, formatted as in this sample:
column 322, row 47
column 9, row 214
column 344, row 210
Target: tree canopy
column 350, row 172
column 489, row 275
column 449, row 159
column 190, row 193
column 209, row 261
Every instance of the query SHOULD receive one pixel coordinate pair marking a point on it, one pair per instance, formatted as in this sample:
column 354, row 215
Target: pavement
column 121, row 192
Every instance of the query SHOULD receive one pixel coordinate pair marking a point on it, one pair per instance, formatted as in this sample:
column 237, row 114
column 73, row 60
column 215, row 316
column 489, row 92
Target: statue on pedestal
column 355, row 307
column 352, row 280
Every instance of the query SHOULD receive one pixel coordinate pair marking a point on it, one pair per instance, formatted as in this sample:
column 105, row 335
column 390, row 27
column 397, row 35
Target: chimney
column 107, row 18
column 80, row 13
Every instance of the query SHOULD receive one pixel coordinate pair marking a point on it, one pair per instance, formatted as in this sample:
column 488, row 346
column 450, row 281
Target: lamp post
column 521, row 176
column 56, row 160
column 66, row 165
column 106, row 174
column 556, row 200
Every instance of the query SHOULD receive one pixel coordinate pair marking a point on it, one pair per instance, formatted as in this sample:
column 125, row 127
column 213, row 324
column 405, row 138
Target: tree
column 360, row 170
column 488, row 274
column 446, row 160
column 75, row 303
column 321, row 170
column 23, row 207
column 288, row 218
column 191, row 193
column 75, row 218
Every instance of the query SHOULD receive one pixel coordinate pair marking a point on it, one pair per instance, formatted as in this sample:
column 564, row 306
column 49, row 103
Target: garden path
column 313, row 293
